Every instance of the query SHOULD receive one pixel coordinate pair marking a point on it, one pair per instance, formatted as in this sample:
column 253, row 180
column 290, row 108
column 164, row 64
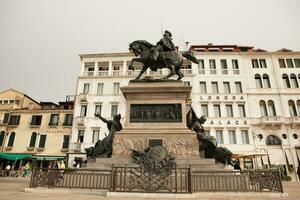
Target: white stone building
column 251, row 98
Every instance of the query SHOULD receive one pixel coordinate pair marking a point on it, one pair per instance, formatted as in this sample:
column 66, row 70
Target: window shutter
column 66, row 142
column 32, row 140
column 1, row 137
column 42, row 141
column 11, row 139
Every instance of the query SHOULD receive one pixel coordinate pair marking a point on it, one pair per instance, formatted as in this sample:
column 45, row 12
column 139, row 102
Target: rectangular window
column 219, row 135
column 5, row 118
column 229, row 110
column 14, row 120
column 212, row 66
column 32, row 139
column 204, row 109
column 203, row 89
column 245, row 137
column 114, row 110
column 281, row 63
column 232, row 136
column 235, row 64
column 65, row 144
column 42, row 141
column 116, row 88
column 215, row 88
column 80, row 136
column 262, row 63
column 242, row 112
column 226, row 87
column 54, row 119
column 36, row 120
column 224, row 66
column 98, row 109
column 100, row 88
column 86, row 88
column 83, row 110
column 95, row 135
column 68, row 120
column 201, row 67
column 255, row 63
column 289, row 63
column 297, row 62
column 238, row 87
column 217, row 110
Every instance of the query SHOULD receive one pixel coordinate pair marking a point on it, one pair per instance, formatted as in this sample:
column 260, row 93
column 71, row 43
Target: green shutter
column 1, row 137
column 11, row 139
column 32, row 140
column 42, row 141
column 66, row 142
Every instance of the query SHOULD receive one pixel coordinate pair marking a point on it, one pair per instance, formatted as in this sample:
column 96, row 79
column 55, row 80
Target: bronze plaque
column 155, row 113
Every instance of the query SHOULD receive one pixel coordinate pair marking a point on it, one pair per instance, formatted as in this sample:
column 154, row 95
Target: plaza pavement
column 13, row 189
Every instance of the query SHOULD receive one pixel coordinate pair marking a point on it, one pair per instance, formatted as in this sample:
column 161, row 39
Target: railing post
column 176, row 184
column 190, row 180
column 111, row 188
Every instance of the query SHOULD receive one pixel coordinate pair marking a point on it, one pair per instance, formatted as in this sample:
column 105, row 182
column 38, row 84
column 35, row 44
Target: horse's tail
column 190, row 56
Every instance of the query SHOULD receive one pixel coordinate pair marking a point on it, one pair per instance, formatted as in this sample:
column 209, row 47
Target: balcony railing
column 236, row 71
column 83, row 97
column 75, row 146
column 91, row 73
column 213, row 71
column 272, row 121
column 201, row 71
column 187, row 71
column 158, row 72
column 103, row 73
column 117, row 73
column 80, row 121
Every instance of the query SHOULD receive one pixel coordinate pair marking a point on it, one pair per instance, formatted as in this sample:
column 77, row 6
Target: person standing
column 8, row 168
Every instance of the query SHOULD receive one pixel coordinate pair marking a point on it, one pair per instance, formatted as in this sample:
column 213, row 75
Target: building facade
column 250, row 96
column 40, row 130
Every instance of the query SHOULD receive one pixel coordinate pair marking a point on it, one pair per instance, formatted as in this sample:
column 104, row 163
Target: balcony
column 83, row 97
column 201, row 71
column 80, row 121
column 295, row 121
column 236, row 71
column 88, row 73
column 273, row 121
column 117, row 73
column 213, row 71
column 156, row 73
column 187, row 71
column 224, row 71
column 103, row 73
column 75, row 146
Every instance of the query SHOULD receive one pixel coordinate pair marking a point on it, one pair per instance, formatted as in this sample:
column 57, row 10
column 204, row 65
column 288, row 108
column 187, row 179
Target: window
column 271, row 108
column 263, row 108
column 204, row 109
column 36, row 120
column 217, row 110
column 238, row 87
column 266, row 81
column 219, row 134
column 229, row 110
column 224, row 66
column 95, row 135
column 86, row 88
column 242, row 110
column 42, row 141
column 116, row 88
column 114, row 110
column 215, row 88
column 83, row 110
column 245, row 137
column 212, row 66
column 281, row 63
column 292, row 108
column 255, row 63
column 286, row 81
column 100, row 88
column 11, row 139
column 5, row 118
column 289, row 63
column 14, row 120
column 65, row 144
column 203, row 89
column 201, row 67
column 258, row 81
column 235, row 66
column 32, row 139
column 226, row 87
column 1, row 138
column 232, row 137
column 273, row 140
column 297, row 62
column 294, row 82
column 262, row 63
column 98, row 108
column 54, row 120
column 80, row 136
column 68, row 120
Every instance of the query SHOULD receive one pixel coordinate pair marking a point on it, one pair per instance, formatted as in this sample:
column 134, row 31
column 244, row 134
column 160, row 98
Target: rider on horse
column 165, row 44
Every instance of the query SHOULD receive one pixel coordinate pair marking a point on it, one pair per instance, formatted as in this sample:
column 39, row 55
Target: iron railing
column 175, row 180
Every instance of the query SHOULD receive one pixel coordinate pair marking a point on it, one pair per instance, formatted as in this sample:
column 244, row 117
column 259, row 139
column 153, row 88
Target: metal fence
column 176, row 180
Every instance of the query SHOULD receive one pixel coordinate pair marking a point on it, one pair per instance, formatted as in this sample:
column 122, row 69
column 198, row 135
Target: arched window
column 32, row 139
column 294, row 82
column 263, row 108
column 1, row 138
column 292, row 108
column 286, row 81
column 271, row 108
column 11, row 139
column 266, row 81
column 258, row 81
column 273, row 140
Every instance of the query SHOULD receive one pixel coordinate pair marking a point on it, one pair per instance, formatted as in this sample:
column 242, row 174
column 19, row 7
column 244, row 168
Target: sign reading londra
column 158, row 113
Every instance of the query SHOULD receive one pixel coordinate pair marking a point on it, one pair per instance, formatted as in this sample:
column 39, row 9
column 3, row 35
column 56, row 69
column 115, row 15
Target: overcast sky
column 40, row 40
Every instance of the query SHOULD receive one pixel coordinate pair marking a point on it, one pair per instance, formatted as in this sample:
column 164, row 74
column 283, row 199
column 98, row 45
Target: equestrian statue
column 161, row 55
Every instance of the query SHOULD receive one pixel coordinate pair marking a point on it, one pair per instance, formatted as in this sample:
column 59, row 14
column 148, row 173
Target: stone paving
column 13, row 188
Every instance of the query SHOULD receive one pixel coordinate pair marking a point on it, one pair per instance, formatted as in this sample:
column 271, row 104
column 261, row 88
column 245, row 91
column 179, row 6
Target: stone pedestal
column 156, row 114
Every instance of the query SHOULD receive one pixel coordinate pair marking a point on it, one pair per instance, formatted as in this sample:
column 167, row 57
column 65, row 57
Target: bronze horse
column 167, row 59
